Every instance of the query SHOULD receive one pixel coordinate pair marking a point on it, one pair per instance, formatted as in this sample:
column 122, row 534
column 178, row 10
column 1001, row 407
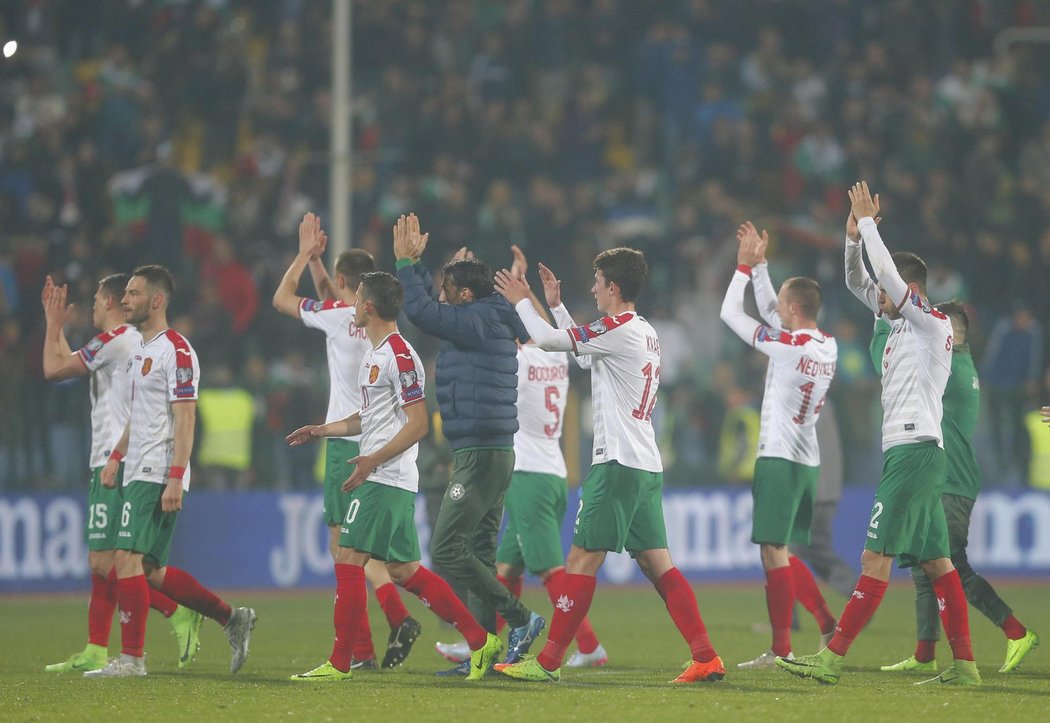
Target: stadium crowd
column 195, row 135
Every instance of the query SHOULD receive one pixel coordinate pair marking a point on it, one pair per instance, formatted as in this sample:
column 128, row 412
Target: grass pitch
column 294, row 634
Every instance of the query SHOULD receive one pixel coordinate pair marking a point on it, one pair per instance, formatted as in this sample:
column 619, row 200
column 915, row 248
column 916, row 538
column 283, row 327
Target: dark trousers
column 463, row 543
column 979, row 591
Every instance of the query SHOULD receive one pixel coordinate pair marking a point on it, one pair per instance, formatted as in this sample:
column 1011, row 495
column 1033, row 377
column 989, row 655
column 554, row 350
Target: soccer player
column 347, row 345
column 105, row 358
column 907, row 519
column 962, row 398
column 536, row 501
column 801, row 366
column 157, row 441
column 380, row 518
column 476, row 391
column 622, row 502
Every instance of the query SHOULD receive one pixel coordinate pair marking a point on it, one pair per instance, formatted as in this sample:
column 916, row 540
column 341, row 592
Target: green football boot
column 92, row 657
column 824, row 667
column 528, row 668
column 1017, row 649
column 961, row 672
column 186, row 627
column 483, row 658
column 910, row 664
column 324, row 671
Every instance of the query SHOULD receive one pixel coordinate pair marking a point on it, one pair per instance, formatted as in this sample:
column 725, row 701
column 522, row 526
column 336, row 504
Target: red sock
column 514, row 586
column 184, row 589
column 925, row 650
column 586, row 640
column 100, row 608
column 390, row 601
column 438, row 596
column 350, row 615
column 955, row 617
column 1013, row 628
column 807, row 593
column 133, row 595
column 780, row 600
column 859, row 609
column 363, row 648
column 574, row 600
column 162, row 603
column 681, row 603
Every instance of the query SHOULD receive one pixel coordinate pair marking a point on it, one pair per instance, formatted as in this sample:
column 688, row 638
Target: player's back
column 346, row 345
column 106, row 359
column 543, row 386
column 915, row 370
column 625, row 377
column 801, row 366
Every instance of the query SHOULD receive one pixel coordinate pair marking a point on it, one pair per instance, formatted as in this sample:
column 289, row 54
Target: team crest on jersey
column 373, row 374
column 147, row 364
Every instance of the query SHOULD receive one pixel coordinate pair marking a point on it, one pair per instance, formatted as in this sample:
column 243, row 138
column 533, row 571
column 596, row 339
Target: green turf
column 294, row 635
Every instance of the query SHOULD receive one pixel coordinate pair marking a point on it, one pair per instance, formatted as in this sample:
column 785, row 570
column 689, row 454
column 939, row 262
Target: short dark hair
column 626, row 268
column 805, row 292
column 956, row 311
column 353, row 264
column 385, row 293
column 911, row 268
column 473, row 274
column 114, row 285
column 157, row 277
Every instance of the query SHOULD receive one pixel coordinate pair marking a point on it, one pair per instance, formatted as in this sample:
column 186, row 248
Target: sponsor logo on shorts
column 909, row 427
column 872, row 535
column 456, row 491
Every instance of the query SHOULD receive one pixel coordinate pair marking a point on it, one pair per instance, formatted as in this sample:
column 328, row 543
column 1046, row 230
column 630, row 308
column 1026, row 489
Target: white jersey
column 801, row 367
column 917, row 360
column 346, row 344
column 391, row 378
column 163, row 371
column 106, row 358
column 543, row 388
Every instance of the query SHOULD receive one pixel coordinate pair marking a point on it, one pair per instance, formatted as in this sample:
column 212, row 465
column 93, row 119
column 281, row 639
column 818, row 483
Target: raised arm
column 285, row 298
column 516, row 291
column 858, row 281
column 752, row 253
column 733, row 313
column 323, row 283
column 60, row 362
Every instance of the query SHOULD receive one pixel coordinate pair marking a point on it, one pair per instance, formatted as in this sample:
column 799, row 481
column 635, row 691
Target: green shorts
column 907, row 519
column 535, row 506
column 621, row 507
column 336, row 472
column 144, row 527
column 381, row 520
column 783, row 493
column 103, row 512
column 957, row 513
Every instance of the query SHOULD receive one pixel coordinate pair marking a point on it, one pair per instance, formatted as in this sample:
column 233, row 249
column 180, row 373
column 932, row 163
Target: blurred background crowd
column 195, row 134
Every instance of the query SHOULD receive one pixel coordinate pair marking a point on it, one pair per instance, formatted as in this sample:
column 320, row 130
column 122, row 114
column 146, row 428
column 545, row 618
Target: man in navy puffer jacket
column 477, row 383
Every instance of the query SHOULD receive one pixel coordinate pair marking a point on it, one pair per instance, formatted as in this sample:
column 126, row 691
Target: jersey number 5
column 551, row 397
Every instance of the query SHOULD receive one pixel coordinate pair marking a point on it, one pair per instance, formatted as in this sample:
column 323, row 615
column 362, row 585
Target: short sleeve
column 406, row 372
column 102, row 350
column 325, row 315
column 183, row 372
column 599, row 337
column 778, row 343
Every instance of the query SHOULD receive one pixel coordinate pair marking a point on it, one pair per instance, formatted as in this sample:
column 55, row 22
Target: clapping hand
column 512, row 288
column 408, row 242
column 551, row 286
column 752, row 251
column 312, row 239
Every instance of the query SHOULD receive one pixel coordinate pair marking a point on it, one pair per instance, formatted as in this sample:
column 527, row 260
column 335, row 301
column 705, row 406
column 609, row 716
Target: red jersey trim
column 604, row 325
column 88, row 352
column 407, row 376
column 313, row 305
column 184, row 386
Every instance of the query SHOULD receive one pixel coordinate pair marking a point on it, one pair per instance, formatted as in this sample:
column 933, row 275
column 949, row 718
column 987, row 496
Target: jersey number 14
column 807, row 397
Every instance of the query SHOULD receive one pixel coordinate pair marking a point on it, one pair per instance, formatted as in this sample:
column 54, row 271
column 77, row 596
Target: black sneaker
column 399, row 644
column 366, row 664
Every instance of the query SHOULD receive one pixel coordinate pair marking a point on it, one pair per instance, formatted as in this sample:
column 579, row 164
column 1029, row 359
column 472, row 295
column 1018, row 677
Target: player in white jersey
column 380, row 517
column 801, row 365
column 622, row 500
column 346, row 344
column 156, row 442
column 105, row 359
column 907, row 519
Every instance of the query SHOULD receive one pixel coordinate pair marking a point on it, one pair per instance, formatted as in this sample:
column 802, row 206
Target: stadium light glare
column 10, row 48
